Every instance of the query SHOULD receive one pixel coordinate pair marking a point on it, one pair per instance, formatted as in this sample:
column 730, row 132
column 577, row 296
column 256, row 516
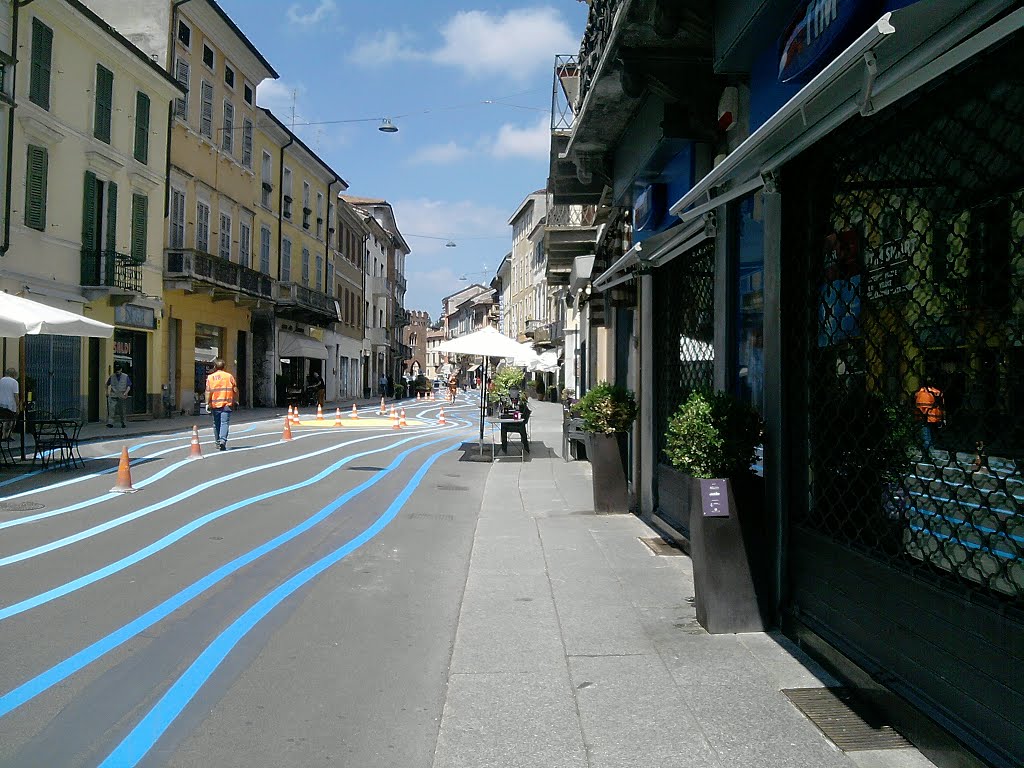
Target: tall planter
column 611, row 495
column 729, row 547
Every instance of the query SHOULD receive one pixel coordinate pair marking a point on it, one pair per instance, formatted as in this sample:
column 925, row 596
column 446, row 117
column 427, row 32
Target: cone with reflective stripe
column 440, row 417
column 319, row 412
column 395, row 423
column 394, row 413
column 195, row 452
column 337, row 417
column 383, row 408
column 355, row 413
column 287, row 434
column 401, row 417
column 124, row 474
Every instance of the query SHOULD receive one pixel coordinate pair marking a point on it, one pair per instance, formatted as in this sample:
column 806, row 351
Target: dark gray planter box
column 611, row 496
column 729, row 551
column 674, row 498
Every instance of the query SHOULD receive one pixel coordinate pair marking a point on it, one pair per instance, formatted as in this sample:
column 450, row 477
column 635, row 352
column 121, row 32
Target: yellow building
column 89, row 157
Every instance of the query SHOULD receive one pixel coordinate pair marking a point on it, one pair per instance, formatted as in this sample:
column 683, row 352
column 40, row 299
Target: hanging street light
column 386, row 126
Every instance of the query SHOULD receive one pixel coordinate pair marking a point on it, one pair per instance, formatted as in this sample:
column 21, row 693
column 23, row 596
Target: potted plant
column 504, row 380
column 607, row 412
column 712, row 440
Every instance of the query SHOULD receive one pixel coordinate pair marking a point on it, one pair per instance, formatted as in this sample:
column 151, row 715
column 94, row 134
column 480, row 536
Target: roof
column 241, row 36
column 528, row 200
column 302, row 144
column 354, row 200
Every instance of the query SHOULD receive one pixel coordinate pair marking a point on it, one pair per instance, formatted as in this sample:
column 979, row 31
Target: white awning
column 296, row 345
column 655, row 251
column 902, row 51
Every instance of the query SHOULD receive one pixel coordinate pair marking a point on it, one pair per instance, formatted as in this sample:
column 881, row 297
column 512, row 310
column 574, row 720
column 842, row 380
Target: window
column 229, row 77
column 319, row 214
column 247, row 94
column 140, row 217
column 181, row 74
column 330, row 278
column 202, row 227
column 305, row 266
column 39, row 70
column 141, row 127
column 306, row 210
column 176, row 236
column 35, row 187
column 266, row 169
column 287, row 184
column 208, row 56
column 104, row 103
column 227, row 141
column 224, row 247
column 206, row 111
column 286, row 260
column 265, row 250
column 319, row 272
column 184, row 34
column 245, row 243
column 247, row 143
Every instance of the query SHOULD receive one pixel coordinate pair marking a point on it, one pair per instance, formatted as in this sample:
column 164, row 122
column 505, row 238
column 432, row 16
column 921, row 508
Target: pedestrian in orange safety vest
column 221, row 397
column 931, row 412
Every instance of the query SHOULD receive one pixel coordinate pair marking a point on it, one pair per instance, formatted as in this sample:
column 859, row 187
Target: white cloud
column 481, row 44
column 532, row 141
column 277, row 96
column 315, row 16
column 439, row 154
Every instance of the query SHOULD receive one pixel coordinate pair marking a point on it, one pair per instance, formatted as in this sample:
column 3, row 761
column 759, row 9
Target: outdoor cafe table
column 496, row 423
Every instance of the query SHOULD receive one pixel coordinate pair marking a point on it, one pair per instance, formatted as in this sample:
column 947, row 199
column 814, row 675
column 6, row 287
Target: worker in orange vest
column 221, row 397
column 931, row 412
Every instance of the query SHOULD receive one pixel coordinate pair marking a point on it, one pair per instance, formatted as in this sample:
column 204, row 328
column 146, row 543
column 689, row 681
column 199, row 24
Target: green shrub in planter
column 504, row 380
column 606, row 409
column 713, row 435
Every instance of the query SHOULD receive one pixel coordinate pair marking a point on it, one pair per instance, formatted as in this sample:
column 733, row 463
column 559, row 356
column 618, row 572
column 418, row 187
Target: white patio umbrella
column 24, row 317
column 487, row 342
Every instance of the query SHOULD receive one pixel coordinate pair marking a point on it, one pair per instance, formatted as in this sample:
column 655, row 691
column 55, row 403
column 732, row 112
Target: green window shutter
column 111, row 217
column 140, row 213
column 104, row 103
column 142, row 127
column 39, row 71
column 90, row 234
column 35, row 188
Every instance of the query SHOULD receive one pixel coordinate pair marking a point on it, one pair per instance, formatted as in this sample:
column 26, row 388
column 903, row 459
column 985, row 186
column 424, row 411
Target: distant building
column 415, row 335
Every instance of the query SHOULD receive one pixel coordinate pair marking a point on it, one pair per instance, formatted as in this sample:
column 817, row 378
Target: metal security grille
column 684, row 295
column 53, row 364
column 915, row 274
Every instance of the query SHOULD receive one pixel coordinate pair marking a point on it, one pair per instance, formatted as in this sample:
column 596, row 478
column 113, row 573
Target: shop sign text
column 887, row 269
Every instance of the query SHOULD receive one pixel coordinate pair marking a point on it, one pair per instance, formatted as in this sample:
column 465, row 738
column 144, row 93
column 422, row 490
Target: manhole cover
column 19, row 506
column 848, row 721
column 432, row 516
column 661, row 547
column 447, row 487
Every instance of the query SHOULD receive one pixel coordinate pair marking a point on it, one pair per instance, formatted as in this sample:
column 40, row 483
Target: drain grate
column 661, row 547
column 449, row 487
column 846, row 720
column 19, row 506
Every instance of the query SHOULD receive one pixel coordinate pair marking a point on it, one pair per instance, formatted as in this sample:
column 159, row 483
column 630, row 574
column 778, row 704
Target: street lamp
column 386, row 126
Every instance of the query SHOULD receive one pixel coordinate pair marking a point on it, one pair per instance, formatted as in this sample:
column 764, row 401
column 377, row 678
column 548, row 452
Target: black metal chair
column 6, row 435
column 72, row 428
column 47, row 436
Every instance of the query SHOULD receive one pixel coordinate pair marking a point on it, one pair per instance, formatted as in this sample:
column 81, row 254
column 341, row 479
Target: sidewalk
column 578, row 647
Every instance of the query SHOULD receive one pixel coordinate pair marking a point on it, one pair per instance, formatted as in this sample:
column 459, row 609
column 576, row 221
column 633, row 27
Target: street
column 280, row 603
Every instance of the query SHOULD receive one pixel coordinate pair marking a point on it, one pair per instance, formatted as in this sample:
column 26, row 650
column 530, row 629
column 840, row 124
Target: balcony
column 305, row 305
column 401, row 283
column 111, row 274
column 630, row 50
column 378, row 286
column 378, row 337
column 401, row 317
column 569, row 231
column 556, row 332
column 194, row 271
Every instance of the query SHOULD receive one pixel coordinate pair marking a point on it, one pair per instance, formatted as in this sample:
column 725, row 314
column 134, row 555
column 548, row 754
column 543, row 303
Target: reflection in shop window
column 209, row 346
column 749, row 286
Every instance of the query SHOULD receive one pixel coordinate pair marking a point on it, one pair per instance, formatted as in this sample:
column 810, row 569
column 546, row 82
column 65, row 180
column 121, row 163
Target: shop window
column 748, row 249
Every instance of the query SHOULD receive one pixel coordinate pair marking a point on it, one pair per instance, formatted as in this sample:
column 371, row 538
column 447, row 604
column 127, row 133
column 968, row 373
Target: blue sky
column 468, row 85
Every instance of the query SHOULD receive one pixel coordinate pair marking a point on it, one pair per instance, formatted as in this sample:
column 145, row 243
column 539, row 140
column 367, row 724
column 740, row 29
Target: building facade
column 415, row 335
column 351, row 232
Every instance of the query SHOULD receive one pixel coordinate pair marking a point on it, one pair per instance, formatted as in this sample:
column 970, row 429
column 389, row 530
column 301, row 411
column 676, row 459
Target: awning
column 296, row 345
column 902, row 51
column 655, row 251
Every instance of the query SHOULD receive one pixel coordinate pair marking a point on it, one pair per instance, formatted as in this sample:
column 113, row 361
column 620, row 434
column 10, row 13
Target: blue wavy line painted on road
column 140, row 484
column 74, row 538
column 61, row 671
column 148, row 731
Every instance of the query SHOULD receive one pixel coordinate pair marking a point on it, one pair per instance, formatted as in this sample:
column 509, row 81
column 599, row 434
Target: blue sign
column 818, row 32
column 649, row 209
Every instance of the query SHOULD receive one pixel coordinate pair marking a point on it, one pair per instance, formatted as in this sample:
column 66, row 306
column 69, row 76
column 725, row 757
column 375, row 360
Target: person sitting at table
column 517, row 404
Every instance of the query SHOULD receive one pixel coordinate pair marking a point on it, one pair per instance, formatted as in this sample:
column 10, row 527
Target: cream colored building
column 89, row 157
column 351, row 231
column 527, row 293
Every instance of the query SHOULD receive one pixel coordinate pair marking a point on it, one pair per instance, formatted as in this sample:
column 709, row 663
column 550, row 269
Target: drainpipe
column 280, row 202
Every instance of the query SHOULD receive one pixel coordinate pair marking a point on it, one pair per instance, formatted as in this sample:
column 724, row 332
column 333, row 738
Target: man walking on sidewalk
column 119, row 387
column 221, row 396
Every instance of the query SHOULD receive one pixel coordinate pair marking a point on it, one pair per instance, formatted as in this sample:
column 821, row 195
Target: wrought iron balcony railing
column 110, row 269
column 595, row 38
column 197, row 265
column 565, row 92
column 556, row 331
column 570, row 215
column 306, row 298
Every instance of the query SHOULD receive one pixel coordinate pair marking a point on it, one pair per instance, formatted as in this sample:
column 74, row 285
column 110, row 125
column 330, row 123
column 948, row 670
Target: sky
column 467, row 83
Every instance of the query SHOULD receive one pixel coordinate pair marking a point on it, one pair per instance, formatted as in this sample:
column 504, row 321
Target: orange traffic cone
column 395, row 423
column 394, row 412
column 319, row 412
column 196, row 452
column 337, row 417
column 124, row 474
column 295, row 415
column 291, row 412
column 383, row 408
column 401, row 418
column 287, row 434
column 440, row 417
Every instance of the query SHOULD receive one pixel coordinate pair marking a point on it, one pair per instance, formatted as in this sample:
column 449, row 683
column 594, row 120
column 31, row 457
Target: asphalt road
column 276, row 604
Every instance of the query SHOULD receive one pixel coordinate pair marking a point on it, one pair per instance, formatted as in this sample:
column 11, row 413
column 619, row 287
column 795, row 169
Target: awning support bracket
column 870, row 73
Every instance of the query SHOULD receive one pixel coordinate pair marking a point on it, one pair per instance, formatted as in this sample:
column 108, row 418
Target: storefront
column 133, row 329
